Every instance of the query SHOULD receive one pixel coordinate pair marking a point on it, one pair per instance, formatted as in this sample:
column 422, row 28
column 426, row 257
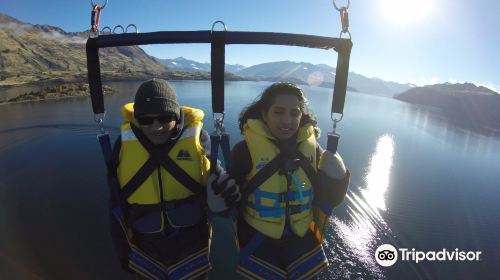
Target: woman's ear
column 263, row 115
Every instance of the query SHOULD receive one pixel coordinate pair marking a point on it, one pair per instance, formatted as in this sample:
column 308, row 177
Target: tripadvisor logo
column 387, row 255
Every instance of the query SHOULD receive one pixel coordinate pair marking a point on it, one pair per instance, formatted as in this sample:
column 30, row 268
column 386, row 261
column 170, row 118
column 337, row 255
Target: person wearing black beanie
column 160, row 170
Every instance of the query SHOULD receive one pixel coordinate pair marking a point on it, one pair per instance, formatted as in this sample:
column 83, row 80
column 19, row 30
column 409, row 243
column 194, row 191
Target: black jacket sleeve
column 241, row 161
column 330, row 191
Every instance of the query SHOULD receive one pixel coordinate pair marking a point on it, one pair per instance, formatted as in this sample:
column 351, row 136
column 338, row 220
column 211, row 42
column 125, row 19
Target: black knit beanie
column 156, row 97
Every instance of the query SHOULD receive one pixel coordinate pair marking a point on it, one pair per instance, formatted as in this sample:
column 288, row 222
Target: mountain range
column 33, row 53
column 298, row 72
column 187, row 65
column 27, row 50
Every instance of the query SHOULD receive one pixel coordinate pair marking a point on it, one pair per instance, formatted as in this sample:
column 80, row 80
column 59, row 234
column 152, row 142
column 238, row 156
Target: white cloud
column 20, row 28
column 16, row 27
column 57, row 36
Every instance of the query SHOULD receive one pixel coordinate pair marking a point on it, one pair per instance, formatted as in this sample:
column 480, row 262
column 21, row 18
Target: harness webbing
column 308, row 169
column 342, row 71
column 274, row 166
column 158, row 156
column 218, row 54
column 265, row 173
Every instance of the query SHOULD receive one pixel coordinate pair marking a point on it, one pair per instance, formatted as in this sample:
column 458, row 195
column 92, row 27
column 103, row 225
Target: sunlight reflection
column 377, row 178
column 361, row 233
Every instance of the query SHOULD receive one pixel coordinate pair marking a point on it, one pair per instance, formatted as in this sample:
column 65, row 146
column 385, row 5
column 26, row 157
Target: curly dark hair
column 264, row 102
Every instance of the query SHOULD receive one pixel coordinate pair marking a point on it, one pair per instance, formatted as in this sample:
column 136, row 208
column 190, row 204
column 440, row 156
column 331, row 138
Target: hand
column 222, row 192
column 332, row 165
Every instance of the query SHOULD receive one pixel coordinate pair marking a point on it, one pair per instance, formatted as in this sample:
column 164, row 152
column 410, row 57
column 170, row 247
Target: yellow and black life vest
column 174, row 179
column 281, row 195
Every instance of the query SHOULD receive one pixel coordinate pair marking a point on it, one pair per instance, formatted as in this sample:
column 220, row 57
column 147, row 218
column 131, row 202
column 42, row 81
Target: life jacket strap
column 277, row 210
column 158, row 156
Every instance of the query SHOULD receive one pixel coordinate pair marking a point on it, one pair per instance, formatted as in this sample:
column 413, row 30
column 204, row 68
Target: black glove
column 222, row 193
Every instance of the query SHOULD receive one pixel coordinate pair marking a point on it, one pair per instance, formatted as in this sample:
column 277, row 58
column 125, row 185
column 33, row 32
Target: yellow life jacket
column 187, row 154
column 268, row 206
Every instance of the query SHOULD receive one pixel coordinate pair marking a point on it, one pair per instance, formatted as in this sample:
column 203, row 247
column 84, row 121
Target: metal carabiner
column 219, row 124
column 102, row 7
column 119, row 26
column 132, row 25
column 336, row 120
column 99, row 119
column 338, row 9
column 219, row 21
column 348, row 32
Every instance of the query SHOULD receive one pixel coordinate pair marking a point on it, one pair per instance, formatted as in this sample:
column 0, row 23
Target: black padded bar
column 232, row 37
column 285, row 39
column 161, row 37
column 342, row 46
column 341, row 74
column 94, row 76
column 218, row 54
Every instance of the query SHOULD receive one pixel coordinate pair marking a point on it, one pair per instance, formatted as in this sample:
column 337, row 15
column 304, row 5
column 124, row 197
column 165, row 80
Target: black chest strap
column 275, row 165
column 158, row 156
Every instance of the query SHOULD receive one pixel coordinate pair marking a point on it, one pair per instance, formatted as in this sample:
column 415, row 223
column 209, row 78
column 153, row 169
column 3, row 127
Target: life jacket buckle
column 289, row 166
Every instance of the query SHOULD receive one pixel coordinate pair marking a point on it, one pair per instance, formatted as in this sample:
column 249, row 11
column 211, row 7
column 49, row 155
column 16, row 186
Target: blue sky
column 438, row 41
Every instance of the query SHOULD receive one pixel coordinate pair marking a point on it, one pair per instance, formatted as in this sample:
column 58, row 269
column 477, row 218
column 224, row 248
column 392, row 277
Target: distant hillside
column 466, row 103
column 27, row 49
column 298, row 72
column 183, row 64
column 319, row 75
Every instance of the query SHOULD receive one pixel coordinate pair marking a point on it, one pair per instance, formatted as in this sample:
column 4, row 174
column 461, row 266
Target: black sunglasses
column 150, row 120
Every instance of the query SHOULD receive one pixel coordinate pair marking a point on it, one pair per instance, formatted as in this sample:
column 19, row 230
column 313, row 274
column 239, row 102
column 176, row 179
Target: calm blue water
column 417, row 181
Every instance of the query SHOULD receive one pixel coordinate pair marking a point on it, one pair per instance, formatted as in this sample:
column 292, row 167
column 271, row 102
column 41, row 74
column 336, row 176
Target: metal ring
column 223, row 115
column 335, row 120
column 123, row 29
column 132, row 25
column 219, row 21
column 338, row 9
column 348, row 32
column 219, row 124
column 99, row 118
column 106, row 28
column 102, row 7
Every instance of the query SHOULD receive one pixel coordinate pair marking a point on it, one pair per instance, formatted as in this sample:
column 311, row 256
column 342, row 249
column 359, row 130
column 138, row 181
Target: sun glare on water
column 406, row 11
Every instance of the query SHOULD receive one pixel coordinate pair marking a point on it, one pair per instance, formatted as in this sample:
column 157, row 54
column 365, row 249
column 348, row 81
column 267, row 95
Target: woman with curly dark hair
column 289, row 185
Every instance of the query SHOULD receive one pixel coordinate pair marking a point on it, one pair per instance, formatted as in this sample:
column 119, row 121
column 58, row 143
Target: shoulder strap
column 308, row 169
column 265, row 173
column 159, row 156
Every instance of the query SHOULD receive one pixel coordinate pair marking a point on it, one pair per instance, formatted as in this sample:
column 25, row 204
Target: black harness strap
column 94, row 77
column 142, row 174
column 342, row 71
column 218, row 54
column 308, row 169
column 265, row 173
column 181, row 176
column 158, row 156
column 272, row 167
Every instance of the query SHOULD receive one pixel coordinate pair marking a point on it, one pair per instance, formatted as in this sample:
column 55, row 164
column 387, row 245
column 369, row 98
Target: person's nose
column 286, row 119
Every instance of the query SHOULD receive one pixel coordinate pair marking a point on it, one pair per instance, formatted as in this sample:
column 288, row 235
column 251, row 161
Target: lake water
column 417, row 182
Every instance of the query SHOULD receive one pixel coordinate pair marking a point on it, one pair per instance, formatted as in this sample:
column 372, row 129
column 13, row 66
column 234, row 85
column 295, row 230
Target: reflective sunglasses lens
column 146, row 120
